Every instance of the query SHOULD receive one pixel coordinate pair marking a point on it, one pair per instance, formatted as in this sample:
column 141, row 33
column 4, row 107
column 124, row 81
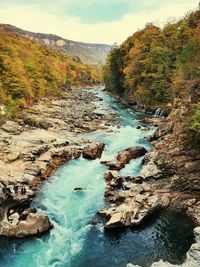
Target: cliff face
column 88, row 53
column 177, row 150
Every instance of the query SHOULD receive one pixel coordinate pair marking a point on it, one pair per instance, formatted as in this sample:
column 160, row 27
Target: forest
column 30, row 71
column 156, row 67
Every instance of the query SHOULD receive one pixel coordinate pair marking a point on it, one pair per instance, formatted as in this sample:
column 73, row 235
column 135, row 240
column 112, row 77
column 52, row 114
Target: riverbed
column 78, row 238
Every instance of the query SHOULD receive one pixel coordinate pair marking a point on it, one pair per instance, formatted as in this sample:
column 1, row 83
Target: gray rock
column 150, row 170
column 13, row 156
column 28, row 178
column 132, row 212
column 35, row 224
column 11, row 127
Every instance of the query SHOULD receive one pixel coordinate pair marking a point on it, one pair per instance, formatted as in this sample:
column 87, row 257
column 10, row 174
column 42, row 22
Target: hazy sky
column 96, row 21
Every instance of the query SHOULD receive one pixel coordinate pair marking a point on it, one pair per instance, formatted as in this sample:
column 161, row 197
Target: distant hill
column 30, row 71
column 88, row 53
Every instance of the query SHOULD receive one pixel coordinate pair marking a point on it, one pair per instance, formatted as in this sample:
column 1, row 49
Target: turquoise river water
column 75, row 241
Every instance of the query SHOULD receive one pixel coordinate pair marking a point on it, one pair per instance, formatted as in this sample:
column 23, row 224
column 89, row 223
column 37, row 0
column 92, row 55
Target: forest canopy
column 155, row 66
column 30, row 71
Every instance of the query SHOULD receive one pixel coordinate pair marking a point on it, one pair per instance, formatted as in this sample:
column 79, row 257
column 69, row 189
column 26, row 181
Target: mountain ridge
column 89, row 53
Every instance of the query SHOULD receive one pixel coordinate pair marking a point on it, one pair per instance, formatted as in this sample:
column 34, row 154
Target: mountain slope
column 159, row 68
column 155, row 66
column 30, row 71
column 88, row 53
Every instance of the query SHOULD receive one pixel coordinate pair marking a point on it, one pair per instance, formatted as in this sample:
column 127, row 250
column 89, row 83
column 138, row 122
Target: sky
column 94, row 21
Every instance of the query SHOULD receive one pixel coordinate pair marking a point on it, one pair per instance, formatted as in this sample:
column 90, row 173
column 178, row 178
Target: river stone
column 34, row 225
column 114, row 165
column 11, row 127
column 78, row 189
column 150, row 170
column 28, row 178
column 14, row 216
column 130, row 153
column 13, row 156
column 45, row 157
column 115, row 221
column 26, row 212
column 93, row 151
column 109, row 175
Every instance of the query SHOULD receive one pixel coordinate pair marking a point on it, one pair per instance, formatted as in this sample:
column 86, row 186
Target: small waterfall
column 160, row 113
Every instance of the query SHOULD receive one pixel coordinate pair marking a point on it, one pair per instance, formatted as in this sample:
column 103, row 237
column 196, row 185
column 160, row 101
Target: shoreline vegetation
column 159, row 67
column 30, row 71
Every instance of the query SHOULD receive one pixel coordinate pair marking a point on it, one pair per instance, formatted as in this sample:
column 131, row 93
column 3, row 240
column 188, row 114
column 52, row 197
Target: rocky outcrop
column 150, row 169
column 175, row 157
column 34, row 224
column 93, row 151
column 130, row 153
column 132, row 211
column 15, row 219
column 176, row 154
column 131, row 200
column 124, row 157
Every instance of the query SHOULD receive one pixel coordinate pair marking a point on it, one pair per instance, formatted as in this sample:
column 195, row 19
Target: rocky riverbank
column 33, row 147
column 45, row 137
column 169, row 179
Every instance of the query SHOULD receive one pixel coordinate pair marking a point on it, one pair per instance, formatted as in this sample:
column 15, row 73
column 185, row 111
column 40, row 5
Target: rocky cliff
column 177, row 150
column 88, row 53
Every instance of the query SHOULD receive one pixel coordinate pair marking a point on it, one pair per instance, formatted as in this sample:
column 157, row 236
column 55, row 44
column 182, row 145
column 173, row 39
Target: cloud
column 33, row 18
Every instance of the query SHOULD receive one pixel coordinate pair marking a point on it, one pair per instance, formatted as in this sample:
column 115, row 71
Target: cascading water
column 78, row 238
column 160, row 113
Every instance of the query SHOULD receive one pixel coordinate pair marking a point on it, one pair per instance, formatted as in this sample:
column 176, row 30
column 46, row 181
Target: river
column 75, row 241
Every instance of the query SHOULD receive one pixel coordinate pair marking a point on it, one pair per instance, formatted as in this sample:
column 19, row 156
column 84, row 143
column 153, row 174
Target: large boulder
column 131, row 153
column 150, row 170
column 114, row 165
column 133, row 211
column 12, row 127
column 34, row 224
column 93, row 151
column 115, row 221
